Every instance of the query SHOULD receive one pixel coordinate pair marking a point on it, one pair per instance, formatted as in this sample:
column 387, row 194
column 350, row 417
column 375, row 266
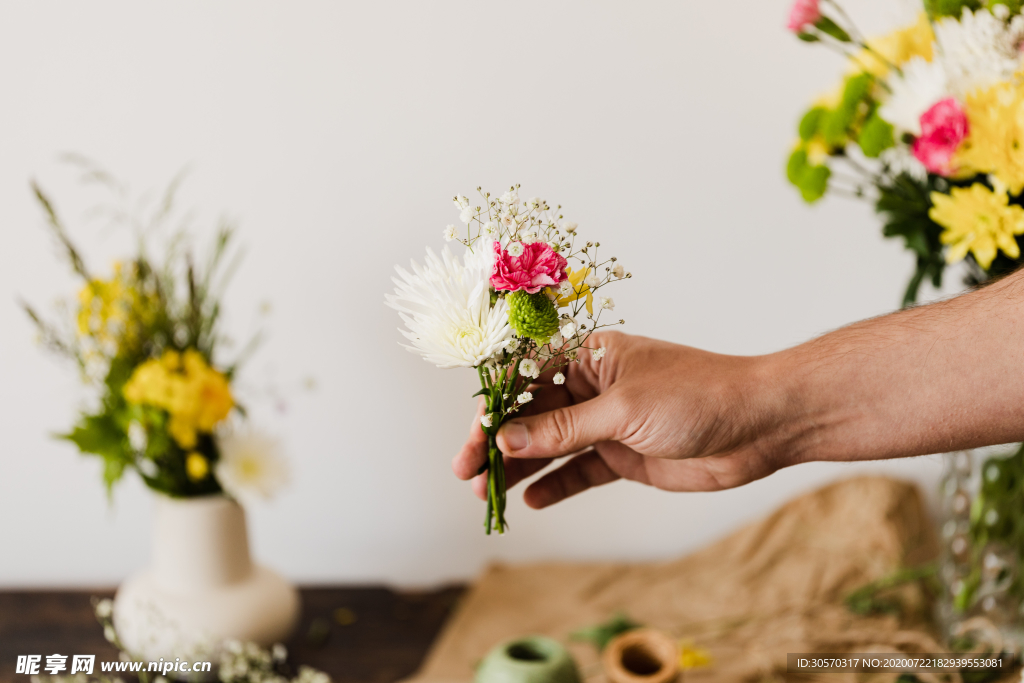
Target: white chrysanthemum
column 529, row 368
column 559, row 378
column 619, row 271
column 515, row 249
column 251, row 465
column 979, row 50
column 921, row 85
column 900, row 159
column 607, row 303
column 461, row 202
column 598, row 354
column 446, row 306
column 524, row 397
column 450, row 233
column 486, row 420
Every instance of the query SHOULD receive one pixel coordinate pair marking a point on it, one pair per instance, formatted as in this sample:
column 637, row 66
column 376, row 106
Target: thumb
column 561, row 431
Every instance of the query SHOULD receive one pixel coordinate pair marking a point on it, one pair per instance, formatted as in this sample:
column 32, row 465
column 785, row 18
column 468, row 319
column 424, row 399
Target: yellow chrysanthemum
column 979, row 221
column 897, row 47
column 995, row 137
column 195, row 395
column 196, row 466
column 579, row 289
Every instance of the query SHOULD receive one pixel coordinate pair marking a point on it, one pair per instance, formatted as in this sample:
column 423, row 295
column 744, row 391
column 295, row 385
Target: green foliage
column 876, row 136
column 600, row 635
column 532, row 315
column 949, row 8
column 877, row 597
column 904, row 207
column 829, row 27
column 810, row 179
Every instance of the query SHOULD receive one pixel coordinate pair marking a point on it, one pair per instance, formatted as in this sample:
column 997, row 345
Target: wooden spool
column 641, row 656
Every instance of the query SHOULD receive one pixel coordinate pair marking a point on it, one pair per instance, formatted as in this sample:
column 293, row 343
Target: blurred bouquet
column 144, row 337
column 511, row 306
column 928, row 124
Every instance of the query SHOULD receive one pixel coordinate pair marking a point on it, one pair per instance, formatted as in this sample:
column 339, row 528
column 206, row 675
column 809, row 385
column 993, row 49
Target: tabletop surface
column 364, row 635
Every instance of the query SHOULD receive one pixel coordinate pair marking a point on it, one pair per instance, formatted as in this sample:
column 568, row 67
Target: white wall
column 336, row 133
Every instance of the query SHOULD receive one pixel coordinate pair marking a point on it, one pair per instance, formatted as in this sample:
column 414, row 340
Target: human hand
column 666, row 415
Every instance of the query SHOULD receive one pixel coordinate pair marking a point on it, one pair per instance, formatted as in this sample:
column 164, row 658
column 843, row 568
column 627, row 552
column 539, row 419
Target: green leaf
column 949, row 8
column 811, row 122
column 875, row 136
column 97, row 434
column 808, row 37
column 829, row 27
column 600, row 635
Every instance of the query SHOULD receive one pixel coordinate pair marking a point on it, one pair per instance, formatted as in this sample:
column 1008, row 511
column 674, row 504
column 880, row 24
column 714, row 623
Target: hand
column 662, row 414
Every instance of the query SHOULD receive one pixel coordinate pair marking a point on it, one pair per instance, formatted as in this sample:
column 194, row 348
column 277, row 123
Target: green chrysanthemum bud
column 532, row 315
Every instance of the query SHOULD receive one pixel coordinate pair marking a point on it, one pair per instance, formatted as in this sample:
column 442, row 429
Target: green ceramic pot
column 534, row 659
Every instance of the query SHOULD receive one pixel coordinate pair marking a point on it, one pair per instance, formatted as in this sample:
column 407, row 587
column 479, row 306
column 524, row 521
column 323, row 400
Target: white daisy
column 915, row 92
column 250, row 465
column 446, row 306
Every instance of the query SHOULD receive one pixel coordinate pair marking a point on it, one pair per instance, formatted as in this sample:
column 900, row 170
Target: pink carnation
column 537, row 267
column 804, row 13
column 943, row 128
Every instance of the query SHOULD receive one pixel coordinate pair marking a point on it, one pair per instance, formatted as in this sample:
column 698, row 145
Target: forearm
column 935, row 378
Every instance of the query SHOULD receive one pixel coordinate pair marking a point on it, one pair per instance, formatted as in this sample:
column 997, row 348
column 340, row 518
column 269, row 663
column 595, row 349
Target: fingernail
column 516, row 435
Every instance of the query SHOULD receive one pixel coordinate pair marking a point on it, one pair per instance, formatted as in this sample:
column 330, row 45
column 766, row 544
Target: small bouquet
column 511, row 306
column 145, row 337
column 928, row 123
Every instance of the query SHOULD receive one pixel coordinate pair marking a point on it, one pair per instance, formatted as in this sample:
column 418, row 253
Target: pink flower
column 943, row 128
column 537, row 267
column 804, row 13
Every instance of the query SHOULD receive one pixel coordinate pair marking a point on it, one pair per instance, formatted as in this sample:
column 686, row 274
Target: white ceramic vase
column 202, row 587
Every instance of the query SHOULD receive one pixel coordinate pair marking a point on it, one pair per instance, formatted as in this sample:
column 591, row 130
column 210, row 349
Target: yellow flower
column 113, row 311
column 579, row 289
column 196, row 466
column 897, row 47
column 977, row 220
column 693, row 657
column 196, row 396
column 995, row 138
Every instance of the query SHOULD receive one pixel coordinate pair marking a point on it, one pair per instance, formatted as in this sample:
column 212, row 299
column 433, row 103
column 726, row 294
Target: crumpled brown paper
column 769, row 589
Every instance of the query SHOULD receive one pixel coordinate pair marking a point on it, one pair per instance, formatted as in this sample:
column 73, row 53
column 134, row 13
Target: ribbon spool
column 641, row 656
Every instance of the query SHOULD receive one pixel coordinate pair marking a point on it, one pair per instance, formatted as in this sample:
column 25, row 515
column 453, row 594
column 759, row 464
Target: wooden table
column 364, row 635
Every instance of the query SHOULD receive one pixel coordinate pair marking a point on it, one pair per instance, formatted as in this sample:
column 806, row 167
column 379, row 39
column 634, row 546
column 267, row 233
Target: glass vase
column 982, row 530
